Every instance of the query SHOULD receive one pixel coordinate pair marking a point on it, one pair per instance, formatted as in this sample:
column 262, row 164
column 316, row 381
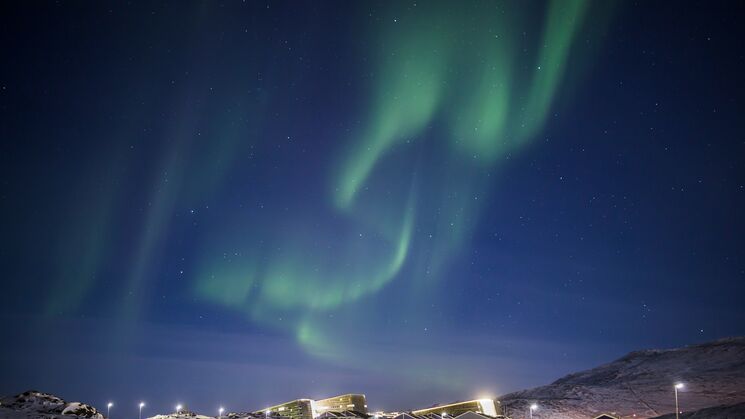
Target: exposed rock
column 33, row 404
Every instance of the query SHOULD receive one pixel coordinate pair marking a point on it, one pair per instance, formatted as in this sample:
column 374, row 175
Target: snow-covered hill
column 36, row 405
column 641, row 384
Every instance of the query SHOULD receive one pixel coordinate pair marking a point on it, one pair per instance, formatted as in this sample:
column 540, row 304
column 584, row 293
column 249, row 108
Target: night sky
column 243, row 203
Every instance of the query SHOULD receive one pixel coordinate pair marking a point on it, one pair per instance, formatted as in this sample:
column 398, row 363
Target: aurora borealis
column 377, row 203
column 469, row 197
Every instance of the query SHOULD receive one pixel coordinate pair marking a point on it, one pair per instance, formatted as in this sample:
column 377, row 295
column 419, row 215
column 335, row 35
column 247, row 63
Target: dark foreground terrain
column 638, row 385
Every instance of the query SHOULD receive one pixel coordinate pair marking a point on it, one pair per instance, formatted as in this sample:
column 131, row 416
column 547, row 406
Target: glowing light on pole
column 142, row 404
column 108, row 409
column 531, row 409
column 678, row 386
column 219, row 412
column 178, row 408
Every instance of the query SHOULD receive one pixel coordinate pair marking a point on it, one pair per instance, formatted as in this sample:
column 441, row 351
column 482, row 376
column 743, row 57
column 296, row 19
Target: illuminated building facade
column 486, row 407
column 355, row 402
column 310, row 409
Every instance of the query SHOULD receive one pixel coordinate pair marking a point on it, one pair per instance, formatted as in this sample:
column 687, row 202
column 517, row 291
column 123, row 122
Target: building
column 472, row 415
column 354, row 402
column 486, row 407
column 311, row 409
column 347, row 414
column 295, row 409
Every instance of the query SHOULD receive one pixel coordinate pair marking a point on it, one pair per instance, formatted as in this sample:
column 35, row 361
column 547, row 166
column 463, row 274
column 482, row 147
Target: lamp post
column 178, row 408
column 219, row 412
column 532, row 408
column 142, row 404
column 678, row 386
column 108, row 409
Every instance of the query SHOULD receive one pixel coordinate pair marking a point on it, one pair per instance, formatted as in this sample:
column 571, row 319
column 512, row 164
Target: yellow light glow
column 487, row 407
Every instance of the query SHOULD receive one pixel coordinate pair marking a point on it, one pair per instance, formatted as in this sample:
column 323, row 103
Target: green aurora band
column 466, row 70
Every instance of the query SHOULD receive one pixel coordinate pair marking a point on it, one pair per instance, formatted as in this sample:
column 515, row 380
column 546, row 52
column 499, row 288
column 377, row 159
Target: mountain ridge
column 641, row 383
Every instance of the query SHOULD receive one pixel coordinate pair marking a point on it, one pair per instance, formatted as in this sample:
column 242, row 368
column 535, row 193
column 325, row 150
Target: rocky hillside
column 641, row 384
column 36, row 405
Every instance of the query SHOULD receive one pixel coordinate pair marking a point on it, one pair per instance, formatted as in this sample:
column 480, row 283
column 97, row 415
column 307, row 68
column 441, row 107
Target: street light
column 178, row 408
column 219, row 412
column 142, row 404
column 108, row 409
column 678, row 386
column 532, row 408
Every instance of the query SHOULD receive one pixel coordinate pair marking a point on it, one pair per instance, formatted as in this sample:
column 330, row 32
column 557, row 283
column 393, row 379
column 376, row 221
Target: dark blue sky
column 245, row 203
